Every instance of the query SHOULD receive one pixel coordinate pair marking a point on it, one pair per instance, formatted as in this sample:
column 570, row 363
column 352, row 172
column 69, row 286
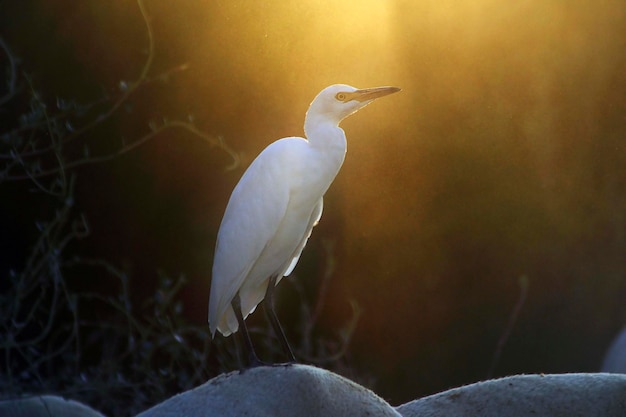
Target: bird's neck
column 326, row 136
column 327, row 141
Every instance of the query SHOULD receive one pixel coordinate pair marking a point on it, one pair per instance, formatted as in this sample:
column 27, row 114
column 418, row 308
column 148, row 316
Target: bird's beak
column 368, row 94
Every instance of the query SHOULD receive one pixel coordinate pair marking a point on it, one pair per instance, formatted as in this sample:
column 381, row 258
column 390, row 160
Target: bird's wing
column 316, row 215
column 253, row 215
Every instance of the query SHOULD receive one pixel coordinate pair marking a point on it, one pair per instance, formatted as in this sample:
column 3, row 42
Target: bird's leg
column 268, row 304
column 253, row 359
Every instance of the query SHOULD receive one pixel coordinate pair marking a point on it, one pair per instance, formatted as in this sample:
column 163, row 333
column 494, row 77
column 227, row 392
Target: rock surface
column 563, row 395
column 45, row 406
column 277, row 391
column 301, row 390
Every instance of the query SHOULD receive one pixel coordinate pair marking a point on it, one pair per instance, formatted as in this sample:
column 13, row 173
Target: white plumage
column 276, row 204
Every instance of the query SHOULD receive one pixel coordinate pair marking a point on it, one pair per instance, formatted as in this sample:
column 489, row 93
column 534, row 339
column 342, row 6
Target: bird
column 272, row 211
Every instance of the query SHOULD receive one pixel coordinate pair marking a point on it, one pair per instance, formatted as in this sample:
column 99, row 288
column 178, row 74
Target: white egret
column 274, row 207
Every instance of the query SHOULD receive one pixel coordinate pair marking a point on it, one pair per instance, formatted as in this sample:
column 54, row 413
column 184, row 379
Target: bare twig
column 33, row 171
column 56, row 338
column 156, row 130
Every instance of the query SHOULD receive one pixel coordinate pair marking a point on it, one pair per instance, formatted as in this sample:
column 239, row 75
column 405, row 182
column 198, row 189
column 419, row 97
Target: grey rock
column 45, row 406
column 276, row 391
column 563, row 395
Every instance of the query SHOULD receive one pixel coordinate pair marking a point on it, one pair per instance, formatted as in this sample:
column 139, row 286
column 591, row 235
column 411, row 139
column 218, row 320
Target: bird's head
column 339, row 101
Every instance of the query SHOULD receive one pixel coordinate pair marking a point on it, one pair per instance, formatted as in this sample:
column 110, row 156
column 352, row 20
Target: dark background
column 503, row 157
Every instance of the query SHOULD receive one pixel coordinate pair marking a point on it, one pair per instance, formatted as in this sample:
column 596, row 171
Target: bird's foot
column 254, row 362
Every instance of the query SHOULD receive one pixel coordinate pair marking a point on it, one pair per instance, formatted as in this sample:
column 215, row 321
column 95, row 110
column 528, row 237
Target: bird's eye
column 341, row 96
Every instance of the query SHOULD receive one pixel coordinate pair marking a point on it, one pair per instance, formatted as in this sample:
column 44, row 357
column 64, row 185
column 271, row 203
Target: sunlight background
column 503, row 156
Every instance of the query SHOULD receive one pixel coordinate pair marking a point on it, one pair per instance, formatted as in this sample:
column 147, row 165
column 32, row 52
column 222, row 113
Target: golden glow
column 504, row 152
column 504, row 155
column 299, row 46
column 489, row 86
